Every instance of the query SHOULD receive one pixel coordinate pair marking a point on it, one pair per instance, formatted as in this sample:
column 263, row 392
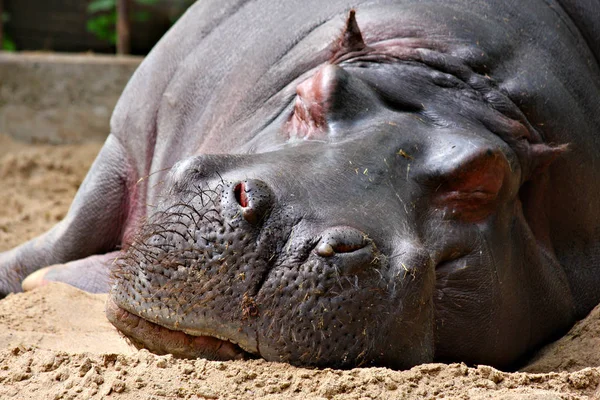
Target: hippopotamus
column 346, row 183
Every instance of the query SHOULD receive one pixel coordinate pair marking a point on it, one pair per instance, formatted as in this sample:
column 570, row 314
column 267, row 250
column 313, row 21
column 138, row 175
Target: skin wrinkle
column 466, row 75
column 484, row 247
column 266, row 80
column 458, row 70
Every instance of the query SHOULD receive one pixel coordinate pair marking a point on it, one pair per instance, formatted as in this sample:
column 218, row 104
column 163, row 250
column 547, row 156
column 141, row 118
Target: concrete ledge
column 60, row 98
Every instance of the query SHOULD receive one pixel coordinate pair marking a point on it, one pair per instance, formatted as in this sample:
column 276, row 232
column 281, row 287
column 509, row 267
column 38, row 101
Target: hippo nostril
column 252, row 199
column 329, row 249
column 340, row 240
column 348, row 248
column 325, row 250
column 240, row 194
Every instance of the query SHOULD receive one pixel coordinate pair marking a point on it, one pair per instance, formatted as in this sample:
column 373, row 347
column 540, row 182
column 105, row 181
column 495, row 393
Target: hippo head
column 387, row 216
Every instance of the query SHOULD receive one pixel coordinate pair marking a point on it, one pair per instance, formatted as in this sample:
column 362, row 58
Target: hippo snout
column 231, row 259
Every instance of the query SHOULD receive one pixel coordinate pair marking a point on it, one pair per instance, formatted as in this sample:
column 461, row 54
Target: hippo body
column 412, row 182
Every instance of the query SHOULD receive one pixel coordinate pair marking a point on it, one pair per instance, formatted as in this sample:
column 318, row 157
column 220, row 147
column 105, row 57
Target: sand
column 55, row 342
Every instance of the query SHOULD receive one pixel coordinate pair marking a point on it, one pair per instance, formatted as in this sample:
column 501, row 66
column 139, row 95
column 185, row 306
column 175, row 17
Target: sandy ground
column 55, row 342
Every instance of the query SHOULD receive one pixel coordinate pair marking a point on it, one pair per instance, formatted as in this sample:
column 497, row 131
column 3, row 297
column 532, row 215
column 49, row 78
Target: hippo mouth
column 161, row 340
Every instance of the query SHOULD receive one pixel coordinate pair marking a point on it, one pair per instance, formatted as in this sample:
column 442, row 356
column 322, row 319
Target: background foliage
column 7, row 43
column 85, row 25
column 103, row 18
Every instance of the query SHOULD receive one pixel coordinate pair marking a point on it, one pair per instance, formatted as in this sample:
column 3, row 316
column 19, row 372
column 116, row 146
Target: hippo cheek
column 348, row 309
column 480, row 313
column 463, row 300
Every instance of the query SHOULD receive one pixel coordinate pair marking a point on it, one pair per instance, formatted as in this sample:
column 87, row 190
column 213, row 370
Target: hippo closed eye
column 404, row 182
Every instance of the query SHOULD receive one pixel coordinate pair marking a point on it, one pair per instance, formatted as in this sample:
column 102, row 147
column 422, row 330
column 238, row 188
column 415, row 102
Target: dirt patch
column 578, row 349
column 38, row 185
column 55, row 342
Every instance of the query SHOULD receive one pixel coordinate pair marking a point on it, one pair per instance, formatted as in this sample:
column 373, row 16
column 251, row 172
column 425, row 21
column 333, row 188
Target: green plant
column 103, row 18
column 7, row 43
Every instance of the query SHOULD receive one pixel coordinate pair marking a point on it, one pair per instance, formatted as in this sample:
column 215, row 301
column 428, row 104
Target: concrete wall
column 55, row 98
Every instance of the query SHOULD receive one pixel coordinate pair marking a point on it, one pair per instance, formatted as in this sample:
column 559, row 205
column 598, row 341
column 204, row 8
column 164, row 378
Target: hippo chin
column 405, row 182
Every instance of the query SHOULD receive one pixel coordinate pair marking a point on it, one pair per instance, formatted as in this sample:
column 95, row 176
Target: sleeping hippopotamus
column 403, row 182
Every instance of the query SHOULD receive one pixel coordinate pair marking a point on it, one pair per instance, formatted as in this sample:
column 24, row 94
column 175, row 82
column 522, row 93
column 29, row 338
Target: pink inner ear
column 309, row 119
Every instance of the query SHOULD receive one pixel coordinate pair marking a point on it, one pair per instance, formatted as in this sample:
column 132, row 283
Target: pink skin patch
column 471, row 191
column 161, row 340
column 309, row 120
column 240, row 194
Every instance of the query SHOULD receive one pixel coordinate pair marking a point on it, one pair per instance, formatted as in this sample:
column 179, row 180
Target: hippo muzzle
column 240, row 261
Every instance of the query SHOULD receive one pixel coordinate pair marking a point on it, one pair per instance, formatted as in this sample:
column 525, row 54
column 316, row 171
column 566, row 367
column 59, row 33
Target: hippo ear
column 351, row 39
column 541, row 155
column 330, row 95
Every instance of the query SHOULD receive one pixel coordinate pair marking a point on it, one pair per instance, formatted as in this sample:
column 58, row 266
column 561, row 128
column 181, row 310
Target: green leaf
column 8, row 44
column 101, row 5
column 104, row 27
column 5, row 17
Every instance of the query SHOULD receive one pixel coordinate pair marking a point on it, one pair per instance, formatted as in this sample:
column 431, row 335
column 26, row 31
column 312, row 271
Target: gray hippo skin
column 417, row 181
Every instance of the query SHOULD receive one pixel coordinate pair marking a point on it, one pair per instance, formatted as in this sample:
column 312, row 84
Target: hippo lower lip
column 162, row 340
